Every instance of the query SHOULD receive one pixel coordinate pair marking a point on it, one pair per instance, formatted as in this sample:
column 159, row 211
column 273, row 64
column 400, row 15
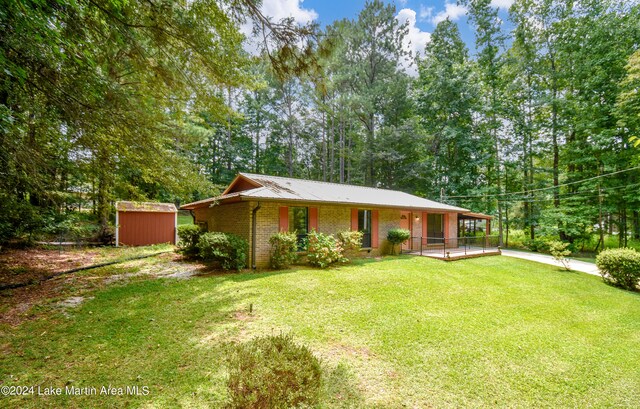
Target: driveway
column 575, row 265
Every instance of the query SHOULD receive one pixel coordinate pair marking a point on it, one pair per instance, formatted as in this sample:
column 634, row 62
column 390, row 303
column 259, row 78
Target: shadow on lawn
column 142, row 333
column 168, row 335
column 247, row 275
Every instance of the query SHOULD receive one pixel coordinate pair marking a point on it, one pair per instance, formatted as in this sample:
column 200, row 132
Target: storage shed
column 141, row 224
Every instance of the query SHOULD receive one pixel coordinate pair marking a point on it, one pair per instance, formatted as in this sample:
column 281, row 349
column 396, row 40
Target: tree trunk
column 229, row 132
column 256, row 152
column 600, row 224
column 332, row 135
column 105, row 182
column 506, row 211
column 342, row 152
column 348, row 164
column 499, row 186
column 325, row 149
column 609, row 224
column 369, row 177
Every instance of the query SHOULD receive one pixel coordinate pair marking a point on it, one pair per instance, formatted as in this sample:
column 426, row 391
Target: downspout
column 253, row 235
column 193, row 216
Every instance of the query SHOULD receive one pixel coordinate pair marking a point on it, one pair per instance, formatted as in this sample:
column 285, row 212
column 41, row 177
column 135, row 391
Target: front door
column 405, row 223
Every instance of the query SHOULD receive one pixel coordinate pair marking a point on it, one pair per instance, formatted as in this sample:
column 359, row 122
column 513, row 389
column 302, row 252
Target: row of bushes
column 225, row 248
column 230, row 250
column 322, row 249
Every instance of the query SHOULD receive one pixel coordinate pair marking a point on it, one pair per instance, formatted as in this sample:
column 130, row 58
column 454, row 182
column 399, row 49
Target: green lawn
column 401, row 332
column 184, row 218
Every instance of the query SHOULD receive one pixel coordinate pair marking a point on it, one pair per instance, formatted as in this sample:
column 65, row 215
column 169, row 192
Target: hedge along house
column 256, row 207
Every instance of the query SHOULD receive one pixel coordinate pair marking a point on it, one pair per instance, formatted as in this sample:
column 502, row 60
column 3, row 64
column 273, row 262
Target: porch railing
column 450, row 246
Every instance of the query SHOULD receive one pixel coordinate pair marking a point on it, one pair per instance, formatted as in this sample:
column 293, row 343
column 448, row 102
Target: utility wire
column 546, row 188
column 567, row 196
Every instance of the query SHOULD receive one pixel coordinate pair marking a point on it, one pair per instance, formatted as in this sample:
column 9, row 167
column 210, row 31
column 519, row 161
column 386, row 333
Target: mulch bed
column 33, row 265
column 39, row 265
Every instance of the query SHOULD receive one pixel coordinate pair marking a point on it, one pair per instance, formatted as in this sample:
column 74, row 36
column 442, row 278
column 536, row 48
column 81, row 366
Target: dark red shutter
column 424, row 224
column 313, row 218
column 374, row 229
column 354, row 219
column 445, row 220
column 284, row 218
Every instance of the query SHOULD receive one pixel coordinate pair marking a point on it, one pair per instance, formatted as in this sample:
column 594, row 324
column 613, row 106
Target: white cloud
column 402, row 2
column 451, row 11
column 502, row 4
column 279, row 9
column 425, row 13
column 415, row 40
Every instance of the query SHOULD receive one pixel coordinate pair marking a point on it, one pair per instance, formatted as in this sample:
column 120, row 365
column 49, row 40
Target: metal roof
column 145, row 207
column 290, row 189
column 472, row 215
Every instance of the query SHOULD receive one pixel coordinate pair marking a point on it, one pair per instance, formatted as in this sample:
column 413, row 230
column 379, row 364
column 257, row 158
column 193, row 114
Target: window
column 435, row 228
column 299, row 223
column 364, row 225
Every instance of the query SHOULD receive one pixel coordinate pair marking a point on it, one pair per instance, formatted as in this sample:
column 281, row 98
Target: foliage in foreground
column 560, row 251
column 397, row 236
column 284, row 248
column 324, row 250
column 189, row 235
column 620, row 267
column 351, row 242
column 273, row 372
column 226, row 248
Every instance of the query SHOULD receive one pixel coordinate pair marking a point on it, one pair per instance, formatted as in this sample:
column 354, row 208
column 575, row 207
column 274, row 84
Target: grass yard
column 401, row 332
column 184, row 217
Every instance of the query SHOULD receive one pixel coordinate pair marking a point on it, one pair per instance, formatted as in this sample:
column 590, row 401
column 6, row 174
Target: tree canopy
column 159, row 100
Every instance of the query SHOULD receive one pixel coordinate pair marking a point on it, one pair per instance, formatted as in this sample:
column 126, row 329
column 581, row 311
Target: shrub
column 397, row 236
column 188, row 236
column 284, row 248
column 273, row 372
column 620, row 267
column 323, row 250
column 560, row 251
column 351, row 242
column 226, row 248
column 538, row 245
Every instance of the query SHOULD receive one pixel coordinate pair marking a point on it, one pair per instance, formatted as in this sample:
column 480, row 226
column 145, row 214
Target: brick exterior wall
column 227, row 218
column 236, row 218
column 267, row 224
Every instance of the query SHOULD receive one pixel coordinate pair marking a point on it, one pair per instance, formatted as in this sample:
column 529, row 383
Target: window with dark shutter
column 299, row 224
column 364, row 225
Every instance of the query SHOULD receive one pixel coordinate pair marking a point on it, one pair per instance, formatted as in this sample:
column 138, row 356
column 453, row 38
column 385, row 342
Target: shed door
column 144, row 228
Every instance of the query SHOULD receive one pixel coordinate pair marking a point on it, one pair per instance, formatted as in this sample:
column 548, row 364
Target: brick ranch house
column 257, row 206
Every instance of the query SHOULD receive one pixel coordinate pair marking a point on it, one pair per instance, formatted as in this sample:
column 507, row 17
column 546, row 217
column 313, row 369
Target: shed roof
column 150, row 207
column 290, row 189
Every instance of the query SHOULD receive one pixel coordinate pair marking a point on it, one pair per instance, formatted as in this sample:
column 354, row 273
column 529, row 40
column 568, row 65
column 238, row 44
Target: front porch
column 452, row 249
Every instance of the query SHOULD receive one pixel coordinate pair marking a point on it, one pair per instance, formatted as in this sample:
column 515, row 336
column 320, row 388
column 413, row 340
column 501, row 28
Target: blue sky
column 423, row 15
